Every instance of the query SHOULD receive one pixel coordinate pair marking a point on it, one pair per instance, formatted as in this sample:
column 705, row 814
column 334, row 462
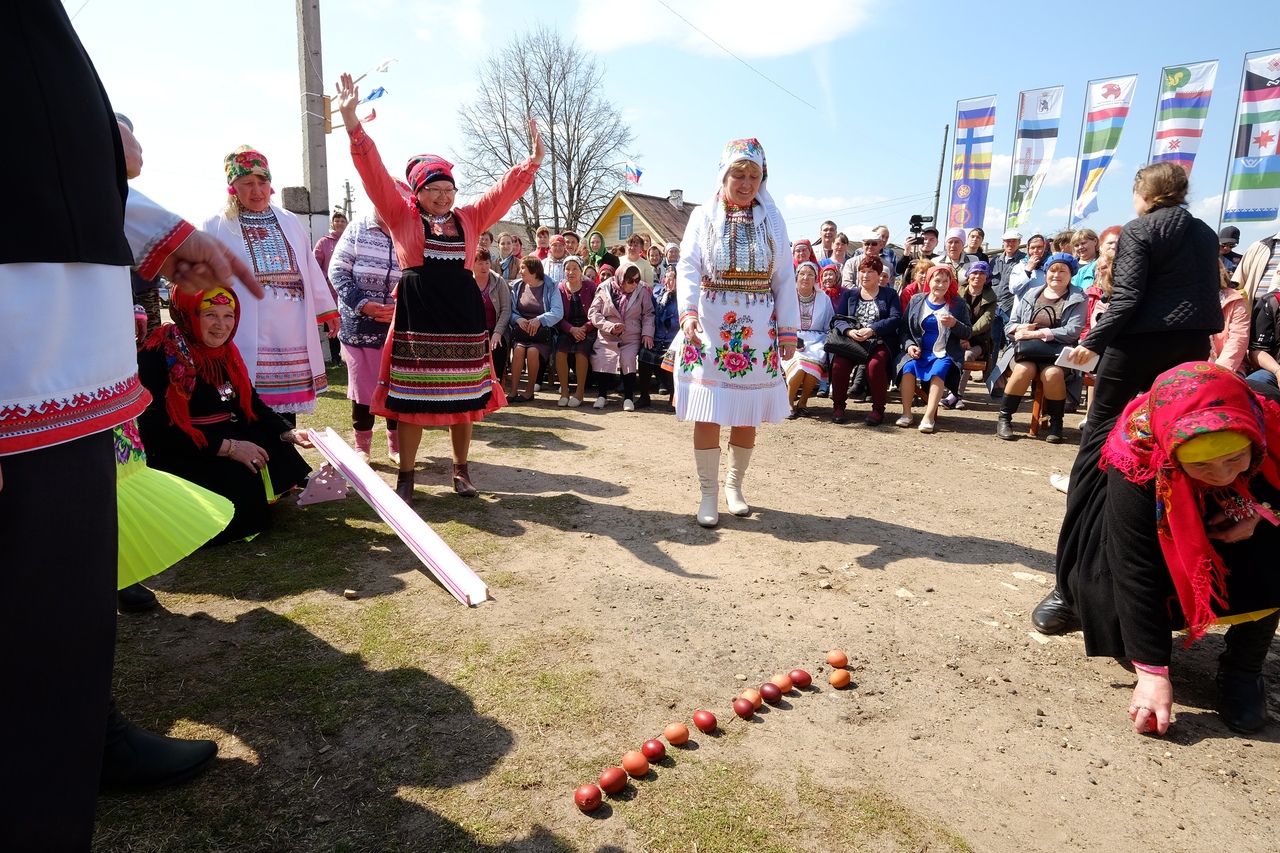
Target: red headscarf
column 188, row 358
column 1191, row 400
column 808, row 245
column 426, row 168
column 954, row 290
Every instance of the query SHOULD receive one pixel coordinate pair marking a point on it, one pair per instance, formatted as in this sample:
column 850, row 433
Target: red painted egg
column 588, row 798
column 705, row 721
column 654, row 750
column 771, row 693
column 676, row 733
column 635, row 763
column 743, row 708
column 800, row 678
column 613, row 780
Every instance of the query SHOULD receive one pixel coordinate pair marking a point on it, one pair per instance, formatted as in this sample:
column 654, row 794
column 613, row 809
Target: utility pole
column 315, row 166
column 937, row 191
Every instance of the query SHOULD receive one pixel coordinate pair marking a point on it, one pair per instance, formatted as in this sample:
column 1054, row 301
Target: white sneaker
column 537, row 386
column 574, row 402
column 562, row 402
column 628, row 406
column 599, row 403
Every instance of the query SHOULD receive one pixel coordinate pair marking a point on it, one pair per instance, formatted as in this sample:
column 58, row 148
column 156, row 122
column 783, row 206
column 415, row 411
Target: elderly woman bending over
column 1047, row 320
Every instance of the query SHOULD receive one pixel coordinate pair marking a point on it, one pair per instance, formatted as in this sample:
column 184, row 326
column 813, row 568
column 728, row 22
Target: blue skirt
column 927, row 367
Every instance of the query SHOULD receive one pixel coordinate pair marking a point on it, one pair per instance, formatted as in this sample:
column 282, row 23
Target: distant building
column 663, row 219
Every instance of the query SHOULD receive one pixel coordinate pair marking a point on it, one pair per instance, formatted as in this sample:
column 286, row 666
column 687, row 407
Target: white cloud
column 1000, row 164
column 1062, row 171
column 453, row 21
column 1056, row 213
column 1207, row 209
column 747, row 28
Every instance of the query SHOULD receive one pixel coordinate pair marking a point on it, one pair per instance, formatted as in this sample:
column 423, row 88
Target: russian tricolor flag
column 633, row 172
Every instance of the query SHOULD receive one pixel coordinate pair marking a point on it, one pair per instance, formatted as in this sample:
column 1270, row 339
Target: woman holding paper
column 1163, row 309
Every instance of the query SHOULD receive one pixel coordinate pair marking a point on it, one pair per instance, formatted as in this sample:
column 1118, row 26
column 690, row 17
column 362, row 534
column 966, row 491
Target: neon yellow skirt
column 162, row 518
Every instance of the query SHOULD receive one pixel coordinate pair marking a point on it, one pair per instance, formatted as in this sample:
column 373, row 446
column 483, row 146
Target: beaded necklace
column 806, row 310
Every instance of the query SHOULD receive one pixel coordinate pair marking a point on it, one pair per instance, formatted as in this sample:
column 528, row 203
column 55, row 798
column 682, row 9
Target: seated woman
column 206, row 423
column 1230, row 347
column 666, row 323
column 808, row 366
column 919, row 277
column 933, row 325
column 871, row 315
column 1185, row 537
column 1049, row 318
column 535, row 310
column 576, row 334
column 829, row 280
column 622, row 313
column 497, row 309
column 982, row 303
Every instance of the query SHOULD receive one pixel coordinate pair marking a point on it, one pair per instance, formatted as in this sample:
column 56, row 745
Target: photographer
column 921, row 244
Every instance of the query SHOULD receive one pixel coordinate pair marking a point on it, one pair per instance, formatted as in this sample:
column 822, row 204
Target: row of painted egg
column 635, row 763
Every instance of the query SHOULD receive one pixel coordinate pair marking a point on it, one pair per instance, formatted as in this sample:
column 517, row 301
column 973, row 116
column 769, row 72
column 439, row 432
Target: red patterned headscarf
column 425, row 169
column 245, row 161
column 1191, row 400
column 188, row 358
column 808, row 245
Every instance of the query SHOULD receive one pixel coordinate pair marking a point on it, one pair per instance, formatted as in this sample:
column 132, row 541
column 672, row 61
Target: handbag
column 858, row 352
column 520, row 336
column 1036, row 350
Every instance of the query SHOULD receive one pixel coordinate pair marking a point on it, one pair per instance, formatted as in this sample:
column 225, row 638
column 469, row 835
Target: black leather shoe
column 1242, row 700
column 1004, row 428
column 136, row 599
column 135, row 760
column 404, row 485
column 1054, row 615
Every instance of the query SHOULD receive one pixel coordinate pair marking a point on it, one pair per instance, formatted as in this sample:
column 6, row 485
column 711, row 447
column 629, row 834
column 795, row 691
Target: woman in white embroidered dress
column 277, row 334
column 738, row 321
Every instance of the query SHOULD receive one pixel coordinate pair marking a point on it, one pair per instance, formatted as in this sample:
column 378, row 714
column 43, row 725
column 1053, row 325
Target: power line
column 734, row 55
column 81, row 9
column 889, row 202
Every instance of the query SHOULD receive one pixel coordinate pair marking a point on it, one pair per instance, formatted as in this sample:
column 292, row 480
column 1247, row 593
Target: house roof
column 663, row 220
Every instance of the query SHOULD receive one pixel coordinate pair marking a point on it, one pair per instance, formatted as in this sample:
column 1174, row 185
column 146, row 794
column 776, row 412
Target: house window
column 625, row 226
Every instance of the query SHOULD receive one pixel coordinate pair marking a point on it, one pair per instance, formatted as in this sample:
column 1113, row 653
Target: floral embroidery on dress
column 691, row 357
column 735, row 357
column 771, row 362
column 128, row 443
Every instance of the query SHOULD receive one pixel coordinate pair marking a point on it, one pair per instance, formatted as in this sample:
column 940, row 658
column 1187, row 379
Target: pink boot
column 364, row 443
column 393, row 447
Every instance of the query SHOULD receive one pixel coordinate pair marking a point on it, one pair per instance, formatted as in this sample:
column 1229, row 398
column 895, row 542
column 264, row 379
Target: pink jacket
column 620, row 335
column 402, row 218
column 1229, row 347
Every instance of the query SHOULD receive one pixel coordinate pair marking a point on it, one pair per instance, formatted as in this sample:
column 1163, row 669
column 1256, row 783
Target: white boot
column 739, row 459
column 709, row 482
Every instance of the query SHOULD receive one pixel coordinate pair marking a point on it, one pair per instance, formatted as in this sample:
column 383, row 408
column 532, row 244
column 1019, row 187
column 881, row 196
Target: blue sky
column 855, row 137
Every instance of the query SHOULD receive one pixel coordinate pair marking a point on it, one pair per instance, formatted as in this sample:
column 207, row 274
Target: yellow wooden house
column 663, row 219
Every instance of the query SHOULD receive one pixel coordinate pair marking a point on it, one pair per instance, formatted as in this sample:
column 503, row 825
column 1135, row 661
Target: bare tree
column 540, row 75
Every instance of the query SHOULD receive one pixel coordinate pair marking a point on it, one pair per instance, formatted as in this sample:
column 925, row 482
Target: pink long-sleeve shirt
column 402, row 218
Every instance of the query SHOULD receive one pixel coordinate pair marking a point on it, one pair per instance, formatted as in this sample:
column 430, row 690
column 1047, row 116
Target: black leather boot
column 1242, row 691
column 1004, row 421
column 136, row 599
column 1055, row 408
column 135, row 760
column 404, row 485
column 1054, row 615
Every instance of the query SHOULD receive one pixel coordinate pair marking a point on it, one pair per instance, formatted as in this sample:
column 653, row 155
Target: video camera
column 917, row 223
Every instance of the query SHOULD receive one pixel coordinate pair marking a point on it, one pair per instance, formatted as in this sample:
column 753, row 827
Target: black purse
column 1036, row 350
column 858, row 352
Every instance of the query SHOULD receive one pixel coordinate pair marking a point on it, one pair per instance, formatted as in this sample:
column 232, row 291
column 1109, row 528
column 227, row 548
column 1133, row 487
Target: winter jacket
column 1165, row 276
column 886, row 328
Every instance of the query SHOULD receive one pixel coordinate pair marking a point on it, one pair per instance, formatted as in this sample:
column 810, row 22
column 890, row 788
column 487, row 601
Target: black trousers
column 1126, row 369
column 59, row 527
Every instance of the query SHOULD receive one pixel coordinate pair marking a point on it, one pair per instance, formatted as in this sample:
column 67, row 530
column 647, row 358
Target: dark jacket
column 982, row 314
column 1166, row 279
column 1265, row 325
column 999, row 280
column 886, row 328
column 586, row 295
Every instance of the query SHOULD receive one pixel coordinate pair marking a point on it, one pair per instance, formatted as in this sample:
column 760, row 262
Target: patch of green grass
column 874, row 815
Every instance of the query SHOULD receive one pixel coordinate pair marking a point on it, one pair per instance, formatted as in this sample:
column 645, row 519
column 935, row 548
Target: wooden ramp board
column 446, row 566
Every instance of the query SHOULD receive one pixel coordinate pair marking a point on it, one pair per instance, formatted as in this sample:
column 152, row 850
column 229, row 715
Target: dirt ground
column 920, row 556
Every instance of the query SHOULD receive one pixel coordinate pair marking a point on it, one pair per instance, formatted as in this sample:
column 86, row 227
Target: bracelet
column 231, row 451
column 1151, row 670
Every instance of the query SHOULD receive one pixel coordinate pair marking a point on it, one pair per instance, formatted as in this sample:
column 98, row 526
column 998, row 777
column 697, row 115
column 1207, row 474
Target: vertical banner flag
column 1180, row 111
column 971, row 161
column 1039, row 114
column 1106, row 107
column 1253, row 183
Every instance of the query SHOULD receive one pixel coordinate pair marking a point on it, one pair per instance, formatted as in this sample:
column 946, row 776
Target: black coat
column 1124, row 593
column 1166, row 279
column 170, row 449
